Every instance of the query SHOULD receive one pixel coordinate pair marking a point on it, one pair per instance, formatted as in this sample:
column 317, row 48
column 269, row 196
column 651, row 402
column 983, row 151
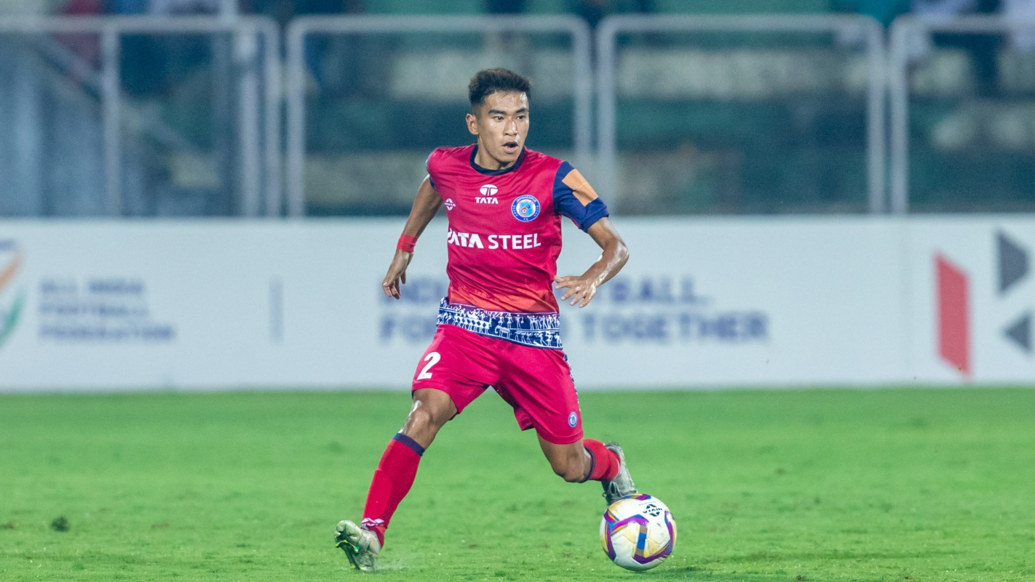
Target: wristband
column 406, row 243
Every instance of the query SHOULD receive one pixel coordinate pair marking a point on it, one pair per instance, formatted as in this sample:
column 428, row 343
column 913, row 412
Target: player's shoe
column 622, row 485
column 361, row 546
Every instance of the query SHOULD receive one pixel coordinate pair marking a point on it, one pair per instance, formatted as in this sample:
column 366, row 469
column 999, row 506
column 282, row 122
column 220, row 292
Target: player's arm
column 583, row 288
column 425, row 206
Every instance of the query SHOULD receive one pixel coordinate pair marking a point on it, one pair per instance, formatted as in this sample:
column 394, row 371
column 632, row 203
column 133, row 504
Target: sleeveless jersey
column 505, row 226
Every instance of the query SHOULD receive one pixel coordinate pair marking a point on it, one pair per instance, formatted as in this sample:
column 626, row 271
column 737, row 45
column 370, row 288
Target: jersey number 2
column 431, row 359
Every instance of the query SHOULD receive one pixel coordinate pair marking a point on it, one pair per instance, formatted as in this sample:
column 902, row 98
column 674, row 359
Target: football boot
column 622, row 485
column 361, row 547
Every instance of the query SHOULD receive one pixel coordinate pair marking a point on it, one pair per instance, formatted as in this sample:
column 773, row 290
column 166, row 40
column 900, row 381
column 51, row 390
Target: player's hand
column 396, row 274
column 580, row 290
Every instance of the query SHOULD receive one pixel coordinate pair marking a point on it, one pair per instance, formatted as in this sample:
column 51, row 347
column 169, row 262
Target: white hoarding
column 743, row 302
column 971, row 299
column 702, row 303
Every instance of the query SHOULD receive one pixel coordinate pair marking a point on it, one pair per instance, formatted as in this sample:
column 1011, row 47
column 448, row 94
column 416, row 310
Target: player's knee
column 422, row 420
column 425, row 420
column 418, row 419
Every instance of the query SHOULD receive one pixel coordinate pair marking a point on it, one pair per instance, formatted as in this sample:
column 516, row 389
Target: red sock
column 391, row 482
column 605, row 462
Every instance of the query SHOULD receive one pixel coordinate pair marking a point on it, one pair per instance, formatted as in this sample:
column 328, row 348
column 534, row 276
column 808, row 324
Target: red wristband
column 406, row 243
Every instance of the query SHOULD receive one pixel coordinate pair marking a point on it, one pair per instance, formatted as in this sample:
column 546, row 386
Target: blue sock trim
column 412, row 444
column 592, row 464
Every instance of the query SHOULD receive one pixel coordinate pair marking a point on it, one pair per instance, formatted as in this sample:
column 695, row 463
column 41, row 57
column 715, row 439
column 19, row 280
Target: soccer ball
column 638, row 532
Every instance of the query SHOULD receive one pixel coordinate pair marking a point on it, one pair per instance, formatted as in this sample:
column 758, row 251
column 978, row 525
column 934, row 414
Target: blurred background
column 205, row 195
column 329, row 107
column 852, row 181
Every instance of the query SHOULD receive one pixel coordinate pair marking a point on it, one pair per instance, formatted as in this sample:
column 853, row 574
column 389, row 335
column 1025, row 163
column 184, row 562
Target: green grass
column 766, row 486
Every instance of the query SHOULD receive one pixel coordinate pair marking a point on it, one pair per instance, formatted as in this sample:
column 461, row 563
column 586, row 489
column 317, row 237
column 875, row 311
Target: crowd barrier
column 775, row 302
column 248, row 68
column 647, row 62
column 863, row 72
column 1010, row 131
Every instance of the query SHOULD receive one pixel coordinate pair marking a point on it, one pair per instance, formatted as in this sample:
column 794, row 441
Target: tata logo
column 11, row 258
column 487, row 192
column 492, row 242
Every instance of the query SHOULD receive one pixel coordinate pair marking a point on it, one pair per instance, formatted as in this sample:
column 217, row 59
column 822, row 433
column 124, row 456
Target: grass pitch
column 765, row 486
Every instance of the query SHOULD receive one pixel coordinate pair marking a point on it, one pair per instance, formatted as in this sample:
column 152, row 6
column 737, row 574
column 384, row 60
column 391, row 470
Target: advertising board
column 972, row 297
column 703, row 303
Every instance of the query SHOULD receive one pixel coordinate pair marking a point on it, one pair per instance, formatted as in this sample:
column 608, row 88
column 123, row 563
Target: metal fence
column 421, row 66
column 73, row 68
column 962, row 96
column 694, row 114
column 754, row 114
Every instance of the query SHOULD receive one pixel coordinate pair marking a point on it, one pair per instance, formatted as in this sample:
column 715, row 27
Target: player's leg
column 394, row 477
column 445, row 382
column 574, row 463
column 397, row 469
column 432, row 409
column 539, row 386
column 591, row 460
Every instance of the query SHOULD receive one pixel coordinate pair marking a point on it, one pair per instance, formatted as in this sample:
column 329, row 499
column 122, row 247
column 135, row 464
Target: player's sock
column 605, row 462
column 392, row 481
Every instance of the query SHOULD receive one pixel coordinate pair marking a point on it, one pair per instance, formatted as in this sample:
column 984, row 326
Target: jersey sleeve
column 575, row 198
column 431, row 173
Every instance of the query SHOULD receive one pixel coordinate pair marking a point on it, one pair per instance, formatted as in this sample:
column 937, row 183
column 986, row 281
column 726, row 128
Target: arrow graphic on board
column 1013, row 262
column 1013, row 268
column 1019, row 332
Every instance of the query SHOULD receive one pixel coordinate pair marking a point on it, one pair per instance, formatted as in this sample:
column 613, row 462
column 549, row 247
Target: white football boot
column 622, row 485
column 361, row 546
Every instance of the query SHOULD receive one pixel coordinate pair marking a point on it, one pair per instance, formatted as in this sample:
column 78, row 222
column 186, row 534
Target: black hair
column 489, row 81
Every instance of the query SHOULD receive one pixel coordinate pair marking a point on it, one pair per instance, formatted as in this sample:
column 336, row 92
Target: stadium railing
column 953, row 132
column 416, row 78
column 253, row 65
column 723, row 67
column 961, row 114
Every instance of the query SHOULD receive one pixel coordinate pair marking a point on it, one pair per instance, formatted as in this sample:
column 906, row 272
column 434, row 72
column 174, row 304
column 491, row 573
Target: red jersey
column 505, row 226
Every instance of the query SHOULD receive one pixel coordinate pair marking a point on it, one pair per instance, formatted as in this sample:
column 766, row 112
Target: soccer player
column 499, row 325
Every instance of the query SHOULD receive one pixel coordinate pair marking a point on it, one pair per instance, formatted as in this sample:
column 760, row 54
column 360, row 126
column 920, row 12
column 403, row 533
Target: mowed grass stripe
column 911, row 484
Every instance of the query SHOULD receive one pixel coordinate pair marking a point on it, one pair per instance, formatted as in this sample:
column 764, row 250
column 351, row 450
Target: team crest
column 573, row 419
column 525, row 208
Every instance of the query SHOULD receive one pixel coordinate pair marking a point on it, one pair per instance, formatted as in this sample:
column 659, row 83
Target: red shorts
column 536, row 382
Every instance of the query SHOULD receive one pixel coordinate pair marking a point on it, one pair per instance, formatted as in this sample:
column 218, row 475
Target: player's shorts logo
column 525, row 208
column 573, row 419
column 488, row 190
column 450, row 204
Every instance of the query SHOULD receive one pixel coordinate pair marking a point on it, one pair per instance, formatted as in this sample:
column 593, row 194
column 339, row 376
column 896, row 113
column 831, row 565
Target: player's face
column 501, row 124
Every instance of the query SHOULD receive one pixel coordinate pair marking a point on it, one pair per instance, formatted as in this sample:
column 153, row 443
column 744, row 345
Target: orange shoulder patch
column 583, row 191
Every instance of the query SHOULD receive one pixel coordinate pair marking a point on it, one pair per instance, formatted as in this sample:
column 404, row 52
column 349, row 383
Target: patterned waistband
column 538, row 330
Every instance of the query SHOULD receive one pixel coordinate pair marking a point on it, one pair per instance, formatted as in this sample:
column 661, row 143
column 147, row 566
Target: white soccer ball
column 638, row 532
